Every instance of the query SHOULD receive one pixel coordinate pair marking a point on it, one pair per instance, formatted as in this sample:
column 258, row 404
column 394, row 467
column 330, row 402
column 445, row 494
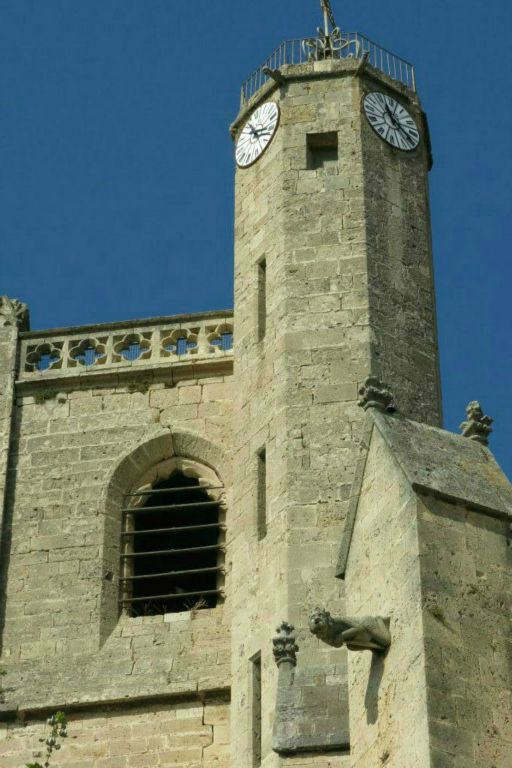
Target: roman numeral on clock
column 391, row 121
column 257, row 134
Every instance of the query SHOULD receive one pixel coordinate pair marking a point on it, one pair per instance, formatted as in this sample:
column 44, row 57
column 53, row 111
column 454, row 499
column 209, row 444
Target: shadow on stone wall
column 371, row 699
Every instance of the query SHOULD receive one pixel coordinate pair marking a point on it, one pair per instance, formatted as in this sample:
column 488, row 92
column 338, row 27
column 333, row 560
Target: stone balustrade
column 144, row 344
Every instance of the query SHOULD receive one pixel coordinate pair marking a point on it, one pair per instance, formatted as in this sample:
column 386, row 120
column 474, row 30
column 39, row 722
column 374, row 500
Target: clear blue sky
column 117, row 167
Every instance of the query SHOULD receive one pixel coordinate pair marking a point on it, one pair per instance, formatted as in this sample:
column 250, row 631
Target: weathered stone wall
column 346, row 247
column 177, row 735
column 13, row 315
column 8, row 349
column 388, row 697
column 400, row 270
column 273, row 406
column 296, row 389
column 441, row 571
column 466, row 574
column 78, row 445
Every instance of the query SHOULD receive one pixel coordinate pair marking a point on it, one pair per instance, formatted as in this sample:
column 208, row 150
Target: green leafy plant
column 58, row 724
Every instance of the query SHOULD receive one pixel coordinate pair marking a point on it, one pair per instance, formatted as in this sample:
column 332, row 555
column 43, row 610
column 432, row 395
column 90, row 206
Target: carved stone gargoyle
column 366, row 633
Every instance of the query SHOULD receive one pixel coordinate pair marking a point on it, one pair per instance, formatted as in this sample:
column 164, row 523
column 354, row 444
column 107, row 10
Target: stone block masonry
column 183, row 735
column 437, row 563
column 337, row 241
column 467, row 608
column 333, row 283
column 82, row 438
column 13, row 318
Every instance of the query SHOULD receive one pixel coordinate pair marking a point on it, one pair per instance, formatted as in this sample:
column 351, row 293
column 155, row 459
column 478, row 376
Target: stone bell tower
column 264, row 557
column 333, row 282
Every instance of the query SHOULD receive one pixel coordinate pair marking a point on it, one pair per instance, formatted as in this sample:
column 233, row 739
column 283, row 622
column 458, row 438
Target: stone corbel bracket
column 364, row 633
column 274, row 74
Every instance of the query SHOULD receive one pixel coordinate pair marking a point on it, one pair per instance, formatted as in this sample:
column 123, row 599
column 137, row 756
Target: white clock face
column 257, row 134
column 391, row 121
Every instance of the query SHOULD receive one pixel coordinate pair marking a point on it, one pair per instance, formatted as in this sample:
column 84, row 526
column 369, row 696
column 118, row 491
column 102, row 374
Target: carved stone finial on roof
column 478, row 426
column 13, row 312
column 375, row 394
column 285, row 647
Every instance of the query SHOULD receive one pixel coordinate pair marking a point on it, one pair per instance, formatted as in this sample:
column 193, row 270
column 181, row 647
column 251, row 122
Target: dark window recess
column 261, row 493
column 322, row 150
column 172, row 549
column 256, row 709
column 262, row 299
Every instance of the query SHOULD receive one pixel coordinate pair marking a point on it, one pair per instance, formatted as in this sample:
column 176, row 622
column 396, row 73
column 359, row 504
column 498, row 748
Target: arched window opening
column 172, row 547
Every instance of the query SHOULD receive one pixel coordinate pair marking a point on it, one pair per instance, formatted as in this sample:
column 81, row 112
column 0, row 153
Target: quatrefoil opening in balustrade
column 181, row 342
column 87, row 352
column 220, row 338
column 43, row 357
column 132, row 347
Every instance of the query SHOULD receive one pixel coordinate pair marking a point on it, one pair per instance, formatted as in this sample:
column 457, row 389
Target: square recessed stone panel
column 311, row 715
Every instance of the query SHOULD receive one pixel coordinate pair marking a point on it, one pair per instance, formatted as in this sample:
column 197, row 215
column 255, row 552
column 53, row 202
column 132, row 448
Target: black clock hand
column 397, row 125
column 404, row 133
column 393, row 118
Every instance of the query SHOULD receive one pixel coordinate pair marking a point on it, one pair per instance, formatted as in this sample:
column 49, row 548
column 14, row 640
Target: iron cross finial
column 328, row 16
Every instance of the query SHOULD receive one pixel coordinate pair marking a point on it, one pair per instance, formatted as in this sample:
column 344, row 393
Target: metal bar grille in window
column 172, row 549
column 151, row 491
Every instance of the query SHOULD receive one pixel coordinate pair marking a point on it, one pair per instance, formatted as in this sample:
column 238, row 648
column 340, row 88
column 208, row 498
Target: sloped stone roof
column 446, row 464
column 436, row 462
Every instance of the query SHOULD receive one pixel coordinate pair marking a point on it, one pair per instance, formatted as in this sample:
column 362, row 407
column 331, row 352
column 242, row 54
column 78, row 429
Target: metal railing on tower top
column 346, row 45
